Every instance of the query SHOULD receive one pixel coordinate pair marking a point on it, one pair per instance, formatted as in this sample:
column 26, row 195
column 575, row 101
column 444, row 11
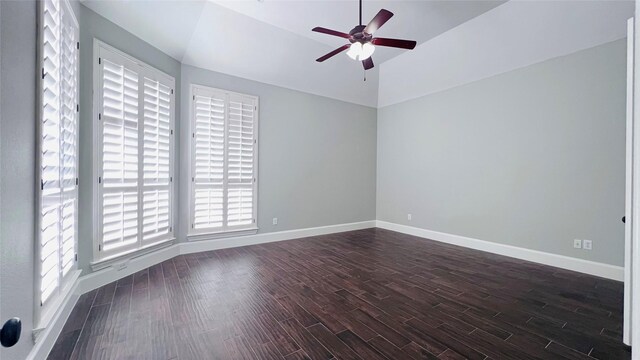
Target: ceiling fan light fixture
column 355, row 50
column 359, row 51
column 367, row 51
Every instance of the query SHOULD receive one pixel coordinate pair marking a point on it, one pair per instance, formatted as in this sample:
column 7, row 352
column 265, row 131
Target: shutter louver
column 58, row 146
column 223, row 161
column 209, row 148
column 240, row 150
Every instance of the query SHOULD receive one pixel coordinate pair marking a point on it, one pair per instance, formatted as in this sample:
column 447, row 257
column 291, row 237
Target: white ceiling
column 412, row 20
column 271, row 40
column 511, row 36
column 459, row 41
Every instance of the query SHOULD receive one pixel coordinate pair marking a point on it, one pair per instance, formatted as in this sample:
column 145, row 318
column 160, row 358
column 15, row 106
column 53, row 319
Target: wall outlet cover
column 587, row 244
column 275, row 221
column 577, row 243
column 409, row 217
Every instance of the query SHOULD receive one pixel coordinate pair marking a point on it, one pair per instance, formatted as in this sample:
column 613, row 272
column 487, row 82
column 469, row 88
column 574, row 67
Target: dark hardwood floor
column 369, row 294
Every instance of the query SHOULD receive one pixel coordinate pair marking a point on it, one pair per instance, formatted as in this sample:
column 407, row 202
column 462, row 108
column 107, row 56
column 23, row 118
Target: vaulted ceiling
column 271, row 40
column 458, row 41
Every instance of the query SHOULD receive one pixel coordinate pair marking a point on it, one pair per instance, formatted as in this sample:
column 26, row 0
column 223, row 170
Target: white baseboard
column 46, row 336
column 560, row 261
column 216, row 244
column 121, row 269
column 124, row 268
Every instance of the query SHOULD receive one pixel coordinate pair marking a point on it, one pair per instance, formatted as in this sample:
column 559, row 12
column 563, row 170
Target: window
column 224, row 154
column 58, row 149
column 135, row 119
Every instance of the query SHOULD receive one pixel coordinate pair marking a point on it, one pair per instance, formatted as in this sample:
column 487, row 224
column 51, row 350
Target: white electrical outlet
column 409, row 217
column 275, row 221
column 577, row 243
column 587, row 244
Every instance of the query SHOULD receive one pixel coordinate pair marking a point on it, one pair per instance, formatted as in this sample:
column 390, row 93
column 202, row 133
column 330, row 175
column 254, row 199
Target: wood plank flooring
column 368, row 294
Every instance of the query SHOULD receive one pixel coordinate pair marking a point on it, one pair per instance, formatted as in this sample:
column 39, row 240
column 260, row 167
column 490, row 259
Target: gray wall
column 316, row 155
column 17, row 150
column 313, row 150
column 93, row 26
column 532, row 158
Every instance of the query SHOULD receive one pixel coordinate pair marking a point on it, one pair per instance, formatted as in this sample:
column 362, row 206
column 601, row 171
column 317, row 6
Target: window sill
column 221, row 234
column 114, row 260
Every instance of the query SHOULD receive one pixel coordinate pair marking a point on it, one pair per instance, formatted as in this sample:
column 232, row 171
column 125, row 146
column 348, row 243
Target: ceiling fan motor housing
column 358, row 35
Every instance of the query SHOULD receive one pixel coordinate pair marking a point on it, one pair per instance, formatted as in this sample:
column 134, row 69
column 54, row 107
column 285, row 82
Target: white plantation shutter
column 58, row 146
column 240, row 155
column 224, row 161
column 119, row 119
column 50, row 152
column 69, row 137
column 135, row 116
column 209, row 150
column 156, row 159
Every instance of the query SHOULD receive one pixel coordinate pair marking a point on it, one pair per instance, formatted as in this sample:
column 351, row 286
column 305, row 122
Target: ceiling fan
column 361, row 39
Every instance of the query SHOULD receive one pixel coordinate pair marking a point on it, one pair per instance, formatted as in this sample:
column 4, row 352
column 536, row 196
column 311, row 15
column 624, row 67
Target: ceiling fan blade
column 367, row 63
column 334, row 52
column 396, row 43
column 382, row 17
column 330, row 32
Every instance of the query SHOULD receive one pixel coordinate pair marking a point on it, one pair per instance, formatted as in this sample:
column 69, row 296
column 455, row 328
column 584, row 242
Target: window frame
column 102, row 259
column 45, row 310
column 207, row 233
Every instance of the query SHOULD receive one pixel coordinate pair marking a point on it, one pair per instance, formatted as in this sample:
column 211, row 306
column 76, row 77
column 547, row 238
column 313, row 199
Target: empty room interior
column 306, row 179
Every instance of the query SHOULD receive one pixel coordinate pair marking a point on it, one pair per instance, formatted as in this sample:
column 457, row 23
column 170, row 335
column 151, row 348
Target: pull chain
column 365, row 75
